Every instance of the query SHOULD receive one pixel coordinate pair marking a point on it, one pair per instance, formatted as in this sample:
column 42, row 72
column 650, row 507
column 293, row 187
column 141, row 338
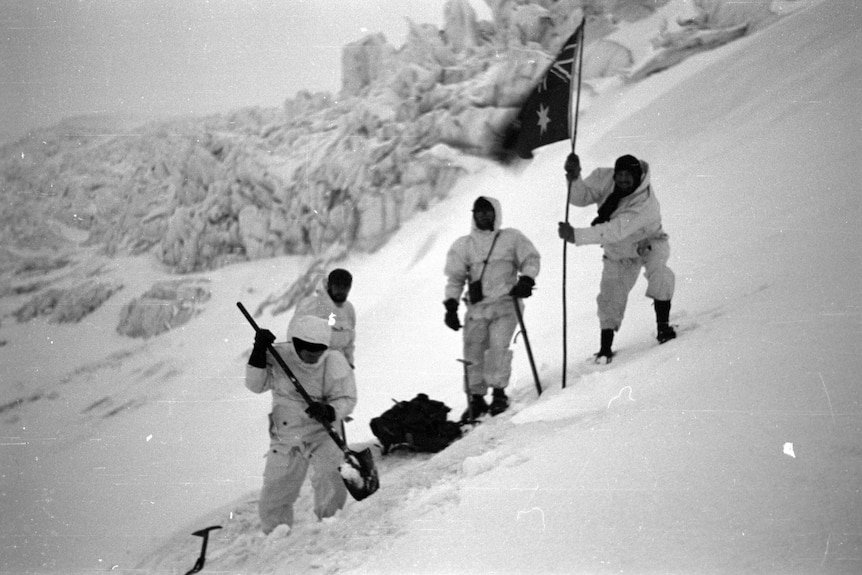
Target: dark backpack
column 419, row 424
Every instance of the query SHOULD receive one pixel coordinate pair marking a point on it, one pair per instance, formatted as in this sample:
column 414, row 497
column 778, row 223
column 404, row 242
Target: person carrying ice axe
column 499, row 267
column 297, row 438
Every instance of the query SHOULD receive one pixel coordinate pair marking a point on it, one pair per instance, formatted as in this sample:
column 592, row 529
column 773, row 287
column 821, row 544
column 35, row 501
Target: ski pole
column 527, row 343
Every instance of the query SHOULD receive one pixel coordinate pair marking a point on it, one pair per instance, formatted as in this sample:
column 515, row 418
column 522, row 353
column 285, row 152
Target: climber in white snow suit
column 504, row 263
column 329, row 302
column 297, row 438
column 628, row 227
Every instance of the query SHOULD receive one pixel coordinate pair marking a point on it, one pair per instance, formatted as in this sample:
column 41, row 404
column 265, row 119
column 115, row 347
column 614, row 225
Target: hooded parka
column 296, row 440
column 341, row 318
column 513, row 254
column 632, row 238
column 637, row 217
column 490, row 323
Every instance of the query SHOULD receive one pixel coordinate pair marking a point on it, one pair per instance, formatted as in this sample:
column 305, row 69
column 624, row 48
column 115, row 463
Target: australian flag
column 544, row 117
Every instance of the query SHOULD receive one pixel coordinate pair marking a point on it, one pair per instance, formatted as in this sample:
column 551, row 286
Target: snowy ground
column 736, row 448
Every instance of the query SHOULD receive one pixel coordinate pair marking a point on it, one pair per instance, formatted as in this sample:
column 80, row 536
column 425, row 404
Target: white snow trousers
column 488, row 330
column 619, row 277
column 286, row 468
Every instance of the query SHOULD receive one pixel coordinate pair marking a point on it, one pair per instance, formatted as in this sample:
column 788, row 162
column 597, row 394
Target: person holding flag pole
column 629, row 229
column 547, row 117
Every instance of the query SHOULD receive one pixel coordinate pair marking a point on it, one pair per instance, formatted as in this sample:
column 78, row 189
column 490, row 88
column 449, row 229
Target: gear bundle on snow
column 419, row 424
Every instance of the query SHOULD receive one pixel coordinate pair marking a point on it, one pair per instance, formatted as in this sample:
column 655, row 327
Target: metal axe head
column 205, row 532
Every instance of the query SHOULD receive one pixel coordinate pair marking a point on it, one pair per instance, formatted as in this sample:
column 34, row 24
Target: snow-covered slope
column 732, row 449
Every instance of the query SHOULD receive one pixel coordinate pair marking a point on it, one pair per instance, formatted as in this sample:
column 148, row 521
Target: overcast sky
column 61, row 58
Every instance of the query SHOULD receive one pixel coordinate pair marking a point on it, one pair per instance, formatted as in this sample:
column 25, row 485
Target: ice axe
column 205, row 535
column 527, row 343
column 358, row 470
column 470, row 417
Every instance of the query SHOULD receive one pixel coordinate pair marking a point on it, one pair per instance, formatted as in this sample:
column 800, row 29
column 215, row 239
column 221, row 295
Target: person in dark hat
column 494, row 263
column 628, row 226
column 329, row 301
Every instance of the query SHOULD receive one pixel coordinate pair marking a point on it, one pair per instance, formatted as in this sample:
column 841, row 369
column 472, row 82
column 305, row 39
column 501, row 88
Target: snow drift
column 732, row 449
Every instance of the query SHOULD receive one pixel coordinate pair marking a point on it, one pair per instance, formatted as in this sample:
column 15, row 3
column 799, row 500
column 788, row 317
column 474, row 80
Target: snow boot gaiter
column 605, row 354
column 662, row 318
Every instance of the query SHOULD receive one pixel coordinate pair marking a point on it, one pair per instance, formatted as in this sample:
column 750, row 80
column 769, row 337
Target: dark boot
column 476, row 408
column 500, row 403
column 662, row 318
column 605, row 354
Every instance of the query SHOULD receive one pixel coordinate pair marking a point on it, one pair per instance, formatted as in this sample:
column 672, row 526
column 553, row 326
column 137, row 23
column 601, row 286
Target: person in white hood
column 297, row 437
column 495, row 263
column 628, row 227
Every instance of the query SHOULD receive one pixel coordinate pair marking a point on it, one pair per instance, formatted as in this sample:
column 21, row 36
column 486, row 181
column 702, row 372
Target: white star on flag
column 544, row 120
column 546, row 114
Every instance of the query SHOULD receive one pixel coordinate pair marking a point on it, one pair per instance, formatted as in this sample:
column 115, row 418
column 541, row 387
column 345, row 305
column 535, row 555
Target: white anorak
column 298, row 442
column 330, row 381
column 513, row 253
column 636, row 219
column 490, row 323
column 341, row 318
column 632, row 239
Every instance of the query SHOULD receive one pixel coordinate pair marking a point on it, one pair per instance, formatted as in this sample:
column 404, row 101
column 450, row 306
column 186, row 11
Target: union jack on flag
column 544, row 117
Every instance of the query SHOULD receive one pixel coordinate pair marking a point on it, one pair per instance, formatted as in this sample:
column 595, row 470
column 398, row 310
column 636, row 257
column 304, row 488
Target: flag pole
column 573, row 123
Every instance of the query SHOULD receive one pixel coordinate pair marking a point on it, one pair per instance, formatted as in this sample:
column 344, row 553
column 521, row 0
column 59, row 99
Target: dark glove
column 451, row 319
column 524, row 287
column 262, row 340
column 321, row 411
column 566, row 232
column 573, row 167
